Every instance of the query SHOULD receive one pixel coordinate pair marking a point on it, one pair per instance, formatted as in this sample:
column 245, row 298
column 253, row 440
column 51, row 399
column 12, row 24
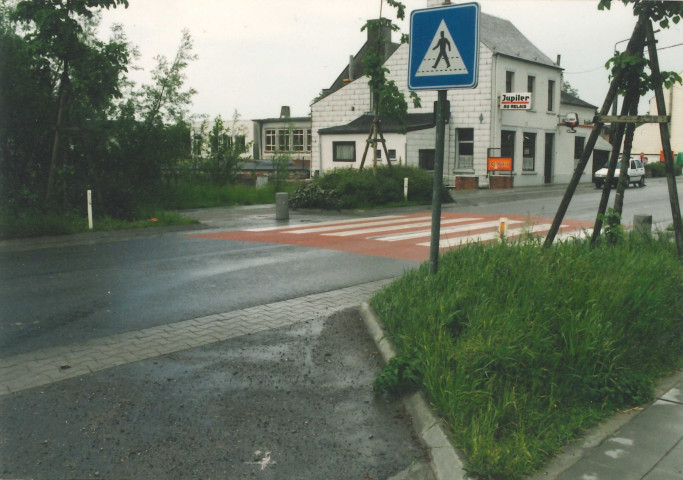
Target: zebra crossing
column 402, row 236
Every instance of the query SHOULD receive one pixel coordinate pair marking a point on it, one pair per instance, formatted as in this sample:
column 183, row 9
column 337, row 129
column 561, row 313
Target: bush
column 351, row 188
column 658, row 169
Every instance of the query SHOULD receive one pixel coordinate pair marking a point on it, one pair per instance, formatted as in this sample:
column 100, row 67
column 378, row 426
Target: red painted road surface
column 405, row 237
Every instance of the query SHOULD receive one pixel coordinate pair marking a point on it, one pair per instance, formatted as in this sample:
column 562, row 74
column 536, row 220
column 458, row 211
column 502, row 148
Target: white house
column 647, row 139
column 569, row 141
column 478, row 126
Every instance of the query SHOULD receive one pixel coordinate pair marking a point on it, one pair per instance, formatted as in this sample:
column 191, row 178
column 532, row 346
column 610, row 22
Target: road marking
column 391, row 227
column 488, row 236
column 399, row 236
column 317, row 224
column 463, row 228
column 393, row 220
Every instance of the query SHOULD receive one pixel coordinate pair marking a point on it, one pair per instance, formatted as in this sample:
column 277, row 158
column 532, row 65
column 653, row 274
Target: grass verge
column 38, row 223
column 522, row 348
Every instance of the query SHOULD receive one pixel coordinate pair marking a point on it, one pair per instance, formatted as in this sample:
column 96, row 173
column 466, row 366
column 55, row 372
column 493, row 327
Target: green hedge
column 658, row 169
column 351, row 188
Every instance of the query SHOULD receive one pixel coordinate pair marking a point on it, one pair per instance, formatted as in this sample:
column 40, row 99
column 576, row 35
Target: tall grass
column 521, row 348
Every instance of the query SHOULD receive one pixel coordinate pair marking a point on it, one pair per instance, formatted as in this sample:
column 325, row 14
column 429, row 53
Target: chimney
column 379, row 31
column 284, row 111
column 351, row 72
column 559, row 57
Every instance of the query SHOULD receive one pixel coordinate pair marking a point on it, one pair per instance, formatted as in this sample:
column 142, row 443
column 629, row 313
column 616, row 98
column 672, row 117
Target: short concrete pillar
column 282, row 206
column 642, row 226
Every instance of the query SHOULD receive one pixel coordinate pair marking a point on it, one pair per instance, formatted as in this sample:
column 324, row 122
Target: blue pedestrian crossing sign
column 444, row 47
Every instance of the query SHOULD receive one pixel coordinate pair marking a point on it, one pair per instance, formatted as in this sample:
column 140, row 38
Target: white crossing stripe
column 330, row 222
column 462, row 228
column 348, row 233
column 483, row 237
column 357, row 225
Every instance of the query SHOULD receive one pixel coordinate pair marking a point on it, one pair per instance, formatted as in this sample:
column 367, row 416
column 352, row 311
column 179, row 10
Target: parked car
column 636, row 174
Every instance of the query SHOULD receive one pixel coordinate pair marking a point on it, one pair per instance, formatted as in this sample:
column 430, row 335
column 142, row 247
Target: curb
column 446, row 463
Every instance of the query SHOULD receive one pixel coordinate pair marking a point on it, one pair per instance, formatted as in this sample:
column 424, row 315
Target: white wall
column 393, row 141
column 538, row 120
column 647, row 138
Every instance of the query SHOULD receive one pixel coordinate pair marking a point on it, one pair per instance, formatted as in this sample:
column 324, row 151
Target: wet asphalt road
column 294, row 403
column 70, row 293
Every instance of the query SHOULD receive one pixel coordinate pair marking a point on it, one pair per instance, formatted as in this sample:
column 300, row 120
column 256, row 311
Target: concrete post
column 642, row 226
column 282, row 206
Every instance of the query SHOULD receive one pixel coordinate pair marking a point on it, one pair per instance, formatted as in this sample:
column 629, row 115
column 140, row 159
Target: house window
column 529, row 152
column 344, row 151
column 530, row 81
column 578, row 147
column 426, row 159
column 379, row 154
column 507, row 145
column 464, row 154
column 271, row 145
column 309, row 140
column 551, row 94
column 298, row 140
column 392, row 155
column 509, row 81
column 283, row 140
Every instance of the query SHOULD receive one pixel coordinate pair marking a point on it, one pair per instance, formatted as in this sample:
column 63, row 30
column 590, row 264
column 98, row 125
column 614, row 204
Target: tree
column 58, row 35
column 226, row 147
column 387, row 99
column 567, row 88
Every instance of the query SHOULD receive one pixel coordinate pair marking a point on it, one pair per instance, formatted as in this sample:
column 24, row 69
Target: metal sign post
column 443, row 54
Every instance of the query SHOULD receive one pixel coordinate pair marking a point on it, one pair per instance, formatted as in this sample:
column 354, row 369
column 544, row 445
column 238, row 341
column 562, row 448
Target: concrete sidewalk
column 642, row 444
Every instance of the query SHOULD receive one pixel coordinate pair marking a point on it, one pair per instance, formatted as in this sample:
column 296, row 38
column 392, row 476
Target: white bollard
column 405, row 188
column 90, row 209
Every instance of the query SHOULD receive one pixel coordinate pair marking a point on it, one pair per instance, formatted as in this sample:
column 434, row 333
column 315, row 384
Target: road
column 182, row 354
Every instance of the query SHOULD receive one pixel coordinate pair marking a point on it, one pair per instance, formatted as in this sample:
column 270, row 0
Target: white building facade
column 478, row 128
column 647, row 138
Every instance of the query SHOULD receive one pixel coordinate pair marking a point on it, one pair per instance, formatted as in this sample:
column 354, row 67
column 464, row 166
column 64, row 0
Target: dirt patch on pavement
column 294, row 402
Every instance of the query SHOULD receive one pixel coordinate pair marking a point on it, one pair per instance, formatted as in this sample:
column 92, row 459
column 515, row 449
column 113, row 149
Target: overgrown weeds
column 521, row 348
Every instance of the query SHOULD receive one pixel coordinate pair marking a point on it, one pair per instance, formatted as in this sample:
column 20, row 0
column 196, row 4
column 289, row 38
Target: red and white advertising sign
column 515, row 101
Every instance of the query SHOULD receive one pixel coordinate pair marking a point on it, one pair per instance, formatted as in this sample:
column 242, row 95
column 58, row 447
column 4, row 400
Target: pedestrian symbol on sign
column 441, row 48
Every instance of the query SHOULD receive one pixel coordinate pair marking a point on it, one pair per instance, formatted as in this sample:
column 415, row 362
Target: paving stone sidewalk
column 42, row 367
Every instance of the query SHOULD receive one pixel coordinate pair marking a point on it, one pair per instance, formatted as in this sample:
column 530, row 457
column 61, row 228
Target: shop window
column 344, row 151
column 529, row 152
column 464, row 154
column 507, row 145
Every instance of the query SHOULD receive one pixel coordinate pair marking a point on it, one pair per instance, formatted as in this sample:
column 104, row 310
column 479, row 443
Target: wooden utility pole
column 666, row 139
column 630, row 106
column 592, row 139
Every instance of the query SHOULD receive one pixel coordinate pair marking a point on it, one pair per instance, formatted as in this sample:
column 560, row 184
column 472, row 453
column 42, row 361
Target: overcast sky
column 256, row 55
